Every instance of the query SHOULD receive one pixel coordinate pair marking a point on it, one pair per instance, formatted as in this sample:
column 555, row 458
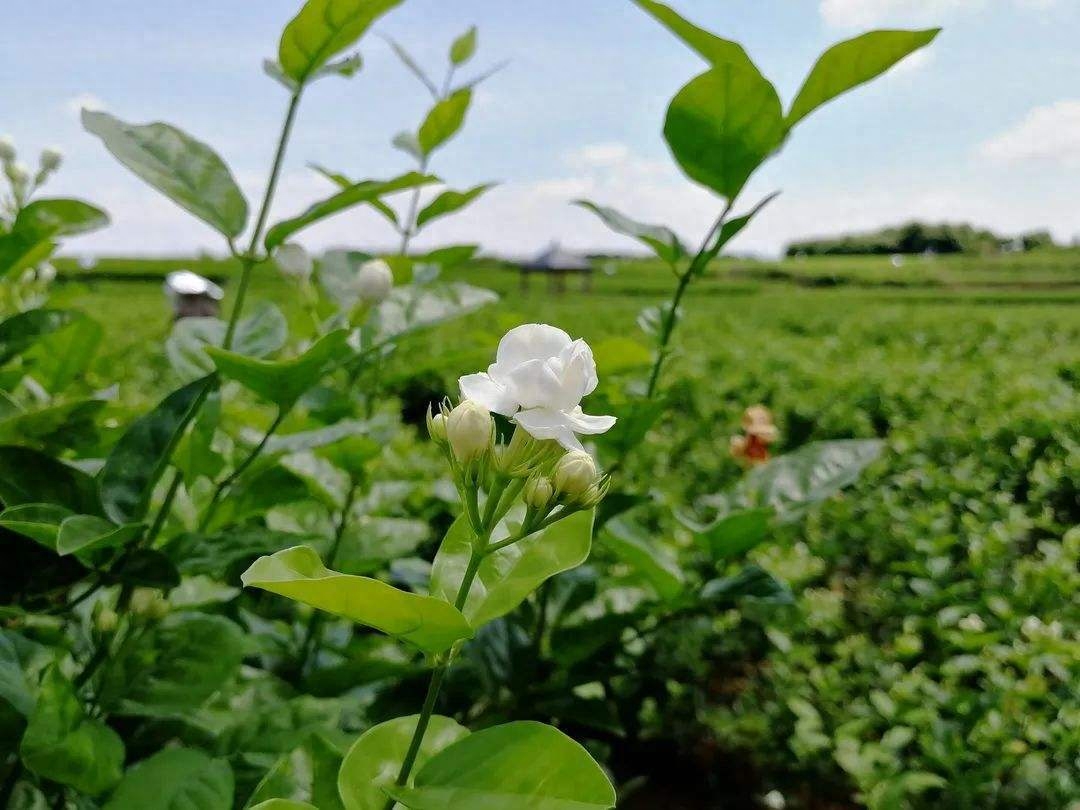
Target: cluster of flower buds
column 18, row 174
column 752, row 445
column 149, row 603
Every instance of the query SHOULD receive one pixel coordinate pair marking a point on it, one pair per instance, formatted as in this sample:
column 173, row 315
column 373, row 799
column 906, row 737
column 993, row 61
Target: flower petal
column 578, row 372
column 535, row 384
column 589, row 425
column 482, row 389
column 532, row 341
column 544, row 423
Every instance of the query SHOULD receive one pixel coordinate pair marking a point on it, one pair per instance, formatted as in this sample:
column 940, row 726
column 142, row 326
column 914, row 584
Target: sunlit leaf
column 63, row 356
column 175, row 779
column 448, row 202
column 662, row 241
column 715, row 50
column 21, row 331
column 185, row 170
column 60, row 217
column 856, row 61
column 732, row 228
column 260, row 334
column 324, row 28
column 374, row 760
column 83, row 532
column 517, row 766
column 463, row 48
column 298, row 573
column 38, row 521
column 444, row 121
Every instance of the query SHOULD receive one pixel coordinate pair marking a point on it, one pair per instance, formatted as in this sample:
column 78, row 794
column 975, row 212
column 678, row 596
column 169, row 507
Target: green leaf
column 219, row 554
column 20, row 250
column 326, row 483
column 185, row 170
column 732, row 228
column 298, row 573
column 344, row 182
column 63, row 745
column 444, row 121
column 374, row 760
column 463, row 48
column 324, row 28
column 346, row 67
column 83, row 532
column 817, row 471
column 363, row 192
column 175, row 779
column 415, row 307
column 653, row 560
column 516, row 766
column 175, row 667
column 14, row 690
column 662, row 241
column 260, row 334
column 53, row 425
column 19, row 332
column 413, row 66
column 737, row 533
column 283, row 804
column 448, row 202
column 751, row 581
column 38, row 521
column 309, row 772
column 145, row 568
column 722, row 125
column 509, row 575
column 715, row 50
column 139, row 459
column 283, row 382
column 60, row 358
column 52, row 218
column 29, row 476
column 849, row 64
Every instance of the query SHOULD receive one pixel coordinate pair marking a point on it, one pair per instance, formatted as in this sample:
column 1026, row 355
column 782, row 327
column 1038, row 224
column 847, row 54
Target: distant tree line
column 919, row 237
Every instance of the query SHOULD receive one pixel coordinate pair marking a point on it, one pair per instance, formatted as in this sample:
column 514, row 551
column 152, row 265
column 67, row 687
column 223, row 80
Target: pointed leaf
column 752, row 581
column 374, row 760
column 509, row 575
column 185, row 170
column 29, row 476
column 323, row 29
column 38, row 521
column 444, row 121
column 363, row 192
column 448, row 202
column 260, row 334
column 516, row 766
column 723, row 125
column 60, row 217
column 139, row 459
column 83, row 532
column 283, row 382
column 464, row 47
column 737, row 533
column 715, row 50
column 344, row 182
column 848, row 64
column 175, row 779
column 298, row 573
column 21, row 331
column 63, row 745
column 63, row 356
column 662, row 241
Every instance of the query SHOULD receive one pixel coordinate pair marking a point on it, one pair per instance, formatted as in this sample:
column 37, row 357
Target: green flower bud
column 538, row 493
column 106, row 620
column 142, row 600
column 7, row 149
column 436, row 425
column 469, row 430
column 575, row 476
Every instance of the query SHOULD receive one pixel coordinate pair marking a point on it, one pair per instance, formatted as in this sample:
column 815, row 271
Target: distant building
column 557, row 263
column 192, row 296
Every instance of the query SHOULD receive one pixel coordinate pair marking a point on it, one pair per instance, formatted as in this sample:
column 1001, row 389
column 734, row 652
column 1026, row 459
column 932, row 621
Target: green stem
column 228, row 481
column 166, row 508
column 249, row 259
column 409, row 229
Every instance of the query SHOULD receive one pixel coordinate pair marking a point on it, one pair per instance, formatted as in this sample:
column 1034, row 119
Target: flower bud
column 293, row 260
column 436, row 425
column 469, row 430
column 46, row 272
column 575, row 475
column 51, row 159
column 538, row 492
column 7, row 149
column 374, row 280
column 17, row 173
column 142, row 601
column 106, row 620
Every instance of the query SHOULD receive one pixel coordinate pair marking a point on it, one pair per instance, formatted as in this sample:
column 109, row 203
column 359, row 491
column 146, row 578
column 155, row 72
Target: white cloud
column 1048, row 134
column 88, row 101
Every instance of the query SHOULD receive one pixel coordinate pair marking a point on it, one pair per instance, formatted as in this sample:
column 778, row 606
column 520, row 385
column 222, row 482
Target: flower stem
column 249, row 259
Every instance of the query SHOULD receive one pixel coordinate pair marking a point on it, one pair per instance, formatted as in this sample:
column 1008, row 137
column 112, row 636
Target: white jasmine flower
column 575, row 474
column 774, row 800
column 539, row 378
column 374, row 280
column 293, row 260
column 51, row 159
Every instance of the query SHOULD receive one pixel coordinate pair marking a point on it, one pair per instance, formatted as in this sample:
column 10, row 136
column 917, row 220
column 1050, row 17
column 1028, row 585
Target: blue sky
column 985, row 127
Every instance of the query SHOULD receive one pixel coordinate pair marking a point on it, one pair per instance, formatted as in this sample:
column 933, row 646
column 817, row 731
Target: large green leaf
column 60, row 217
column 185, row 170
column 324, row 28
column 794, row 481
column 63, row 356
column 448, row 202
column 21, row 331
column 63, row 745
column 28, row 476
column 283, row 382
column 737, row 533
column 175, row 779
column 722, row 125
column 444, row 121
column 298, row 573
column 260, row 334
column 662, row 241
column 715, row 50
column 139, row 459
column 517, row 766
column 174, row 668
column 365, row 191
column 856, row 61
column 38, row 521
column 374, row 760
column 509, row 575
column 22, row 249
column 83, row 532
